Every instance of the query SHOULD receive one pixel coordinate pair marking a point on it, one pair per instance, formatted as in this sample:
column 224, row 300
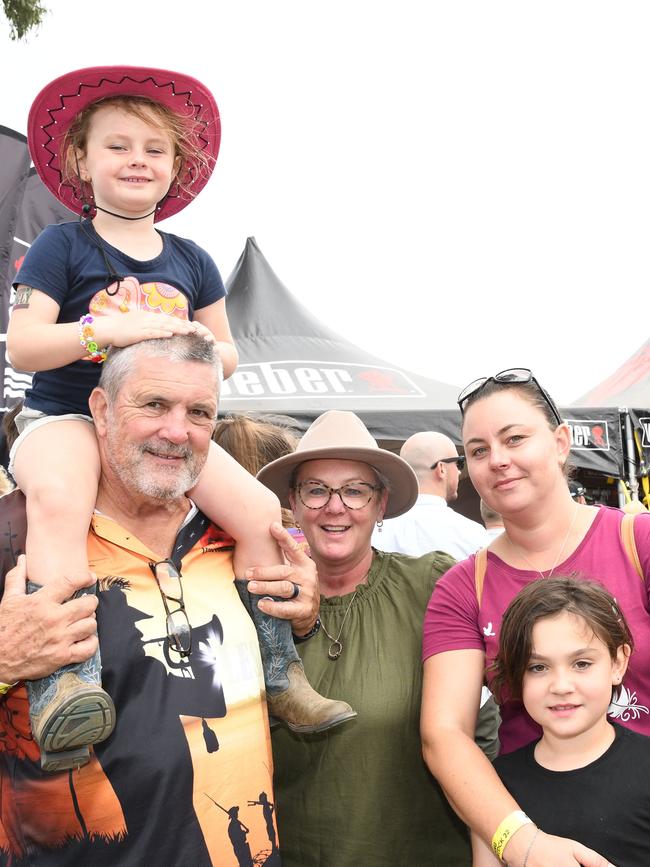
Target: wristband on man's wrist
column 298, row 639
column 508, row 827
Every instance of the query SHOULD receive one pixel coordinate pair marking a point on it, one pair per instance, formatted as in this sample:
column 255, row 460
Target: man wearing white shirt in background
column 492, row 521
column 432, row 525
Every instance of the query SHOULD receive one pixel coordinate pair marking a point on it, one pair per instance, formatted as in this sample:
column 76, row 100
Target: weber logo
column 309, row 379
column 645, row 432
column 589, row 434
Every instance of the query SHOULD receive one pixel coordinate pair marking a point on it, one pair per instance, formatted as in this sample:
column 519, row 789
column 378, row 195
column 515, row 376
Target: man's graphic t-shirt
column 186, row 776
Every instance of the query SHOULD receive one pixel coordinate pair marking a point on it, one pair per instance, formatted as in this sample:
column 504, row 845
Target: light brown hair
column 254, row 443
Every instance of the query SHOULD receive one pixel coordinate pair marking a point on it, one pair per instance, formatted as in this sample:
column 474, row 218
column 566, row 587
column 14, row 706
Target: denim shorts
column 29, row 420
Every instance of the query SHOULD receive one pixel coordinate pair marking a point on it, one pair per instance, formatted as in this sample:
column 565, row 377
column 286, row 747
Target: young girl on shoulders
column 563, row 651
column 124, row 147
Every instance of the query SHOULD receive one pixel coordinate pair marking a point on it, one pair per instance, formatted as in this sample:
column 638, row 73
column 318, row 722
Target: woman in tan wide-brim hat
column 361, row 794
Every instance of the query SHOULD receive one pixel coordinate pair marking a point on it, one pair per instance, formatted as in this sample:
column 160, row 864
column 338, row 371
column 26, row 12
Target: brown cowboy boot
column 289, row 695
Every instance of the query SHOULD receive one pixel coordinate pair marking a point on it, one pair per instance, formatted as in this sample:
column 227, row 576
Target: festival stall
column 628, row 389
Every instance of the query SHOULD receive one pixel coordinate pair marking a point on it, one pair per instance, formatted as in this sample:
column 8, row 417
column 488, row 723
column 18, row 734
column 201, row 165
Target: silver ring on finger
column 296, row 591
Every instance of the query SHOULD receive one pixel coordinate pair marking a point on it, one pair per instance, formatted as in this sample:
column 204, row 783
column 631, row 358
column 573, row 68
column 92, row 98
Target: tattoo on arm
column 23, row 294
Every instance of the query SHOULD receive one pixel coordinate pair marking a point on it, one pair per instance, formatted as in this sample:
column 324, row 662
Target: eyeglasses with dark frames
column 517, row 375
column 179, row 631
column 354, row 495
column 459, row 460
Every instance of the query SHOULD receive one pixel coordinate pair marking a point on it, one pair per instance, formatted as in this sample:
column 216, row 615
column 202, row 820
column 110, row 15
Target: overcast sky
column 458, row 187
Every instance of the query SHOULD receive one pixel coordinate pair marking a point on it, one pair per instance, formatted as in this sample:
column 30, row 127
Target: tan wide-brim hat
column 339, row 435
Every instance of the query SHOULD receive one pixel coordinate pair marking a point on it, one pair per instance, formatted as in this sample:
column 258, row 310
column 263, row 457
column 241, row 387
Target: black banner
column 14, row 170
column 641, row 433
column 28, row 210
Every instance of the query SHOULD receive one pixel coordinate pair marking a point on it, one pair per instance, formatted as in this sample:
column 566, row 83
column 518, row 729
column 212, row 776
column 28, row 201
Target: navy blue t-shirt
column 65, row 262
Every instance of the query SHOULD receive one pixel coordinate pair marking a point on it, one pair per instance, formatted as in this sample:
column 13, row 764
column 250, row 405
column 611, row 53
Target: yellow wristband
column 5, row 687
column 512, row 823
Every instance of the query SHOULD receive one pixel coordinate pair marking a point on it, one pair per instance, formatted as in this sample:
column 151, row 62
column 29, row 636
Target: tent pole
column 629, row 458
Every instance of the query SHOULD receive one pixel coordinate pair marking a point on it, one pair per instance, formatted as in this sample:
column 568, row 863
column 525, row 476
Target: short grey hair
column 121, row 360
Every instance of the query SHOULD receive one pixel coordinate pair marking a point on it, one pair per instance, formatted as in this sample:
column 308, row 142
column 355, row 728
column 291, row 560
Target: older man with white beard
column 180, row 656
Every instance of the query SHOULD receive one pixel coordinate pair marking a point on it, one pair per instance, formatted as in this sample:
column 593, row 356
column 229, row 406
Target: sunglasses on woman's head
column 515, row 375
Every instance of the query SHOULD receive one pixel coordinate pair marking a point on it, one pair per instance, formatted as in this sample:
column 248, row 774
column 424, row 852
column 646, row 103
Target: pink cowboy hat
column 57, row 105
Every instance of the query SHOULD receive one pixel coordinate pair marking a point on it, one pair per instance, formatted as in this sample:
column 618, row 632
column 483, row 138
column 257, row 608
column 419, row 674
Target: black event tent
column 291, row 364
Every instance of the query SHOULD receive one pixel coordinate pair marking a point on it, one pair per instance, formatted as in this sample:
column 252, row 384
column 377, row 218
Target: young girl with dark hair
column 563, row 652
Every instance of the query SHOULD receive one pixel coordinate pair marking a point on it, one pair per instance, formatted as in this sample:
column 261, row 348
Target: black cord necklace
column 113, row 276
column 121, row 216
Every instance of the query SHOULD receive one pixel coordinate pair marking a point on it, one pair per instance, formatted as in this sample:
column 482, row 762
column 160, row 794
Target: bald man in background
column 432, row 525
column 492, row 521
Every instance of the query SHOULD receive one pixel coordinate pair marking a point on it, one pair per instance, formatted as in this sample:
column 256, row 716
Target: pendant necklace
column 336, row 647
column 559, row 554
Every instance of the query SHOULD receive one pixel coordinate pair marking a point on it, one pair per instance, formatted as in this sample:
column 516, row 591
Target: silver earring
column 380, row 524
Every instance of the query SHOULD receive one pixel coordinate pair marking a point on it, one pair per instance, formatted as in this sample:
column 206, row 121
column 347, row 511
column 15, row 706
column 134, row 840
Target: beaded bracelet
column 510, row 825
column 86, row 334
column 298, row 639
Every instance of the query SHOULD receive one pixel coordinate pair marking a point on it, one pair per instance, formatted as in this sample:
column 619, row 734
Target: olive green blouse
column 360, row 795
